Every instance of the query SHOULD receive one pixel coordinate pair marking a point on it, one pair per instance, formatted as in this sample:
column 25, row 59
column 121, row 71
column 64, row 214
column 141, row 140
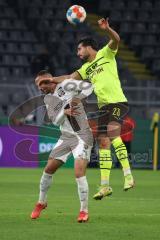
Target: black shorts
column 112, row 112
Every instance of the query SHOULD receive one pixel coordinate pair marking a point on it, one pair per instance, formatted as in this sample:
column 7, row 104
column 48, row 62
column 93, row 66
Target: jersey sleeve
column 82, row 72
column 55, row 109
column 84, row 89
column 79, row 89
column 108, row 52
column 59, row 119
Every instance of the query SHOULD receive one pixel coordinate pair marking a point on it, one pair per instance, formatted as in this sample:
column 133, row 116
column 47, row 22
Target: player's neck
column 92, row 56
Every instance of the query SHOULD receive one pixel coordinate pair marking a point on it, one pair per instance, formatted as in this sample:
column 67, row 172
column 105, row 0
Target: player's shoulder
column 85, row 65
column 69, row 85
column 62, row 85
column 107, row 49
column 101, row 50
column 47, row 98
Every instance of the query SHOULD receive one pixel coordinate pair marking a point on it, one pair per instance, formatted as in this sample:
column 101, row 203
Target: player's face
column 45, row 87
column 82, row 52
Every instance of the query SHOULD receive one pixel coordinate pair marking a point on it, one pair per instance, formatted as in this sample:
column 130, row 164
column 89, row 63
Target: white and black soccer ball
column 76, row 14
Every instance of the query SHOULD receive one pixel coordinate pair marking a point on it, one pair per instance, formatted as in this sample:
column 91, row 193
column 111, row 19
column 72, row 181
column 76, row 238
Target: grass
column 123, row 216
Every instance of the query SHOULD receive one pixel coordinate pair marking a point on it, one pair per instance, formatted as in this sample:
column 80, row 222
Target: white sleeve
column 55, row 109
column 59, row 119
column 79, row 89
column 84, row 89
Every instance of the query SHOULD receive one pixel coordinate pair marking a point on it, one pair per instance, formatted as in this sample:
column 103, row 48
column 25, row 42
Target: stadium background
column 35, row 35
column 31, row 36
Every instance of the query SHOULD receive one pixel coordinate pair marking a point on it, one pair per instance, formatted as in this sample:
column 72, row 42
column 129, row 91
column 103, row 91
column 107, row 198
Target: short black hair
column 88, row 41
column 43, row 72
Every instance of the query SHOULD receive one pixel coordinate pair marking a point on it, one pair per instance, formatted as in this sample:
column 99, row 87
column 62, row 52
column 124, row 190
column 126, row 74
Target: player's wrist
column 67, row 111
column 53, row 80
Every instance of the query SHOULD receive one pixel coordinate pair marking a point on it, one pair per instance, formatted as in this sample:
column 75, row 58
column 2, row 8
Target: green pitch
column 128, row 215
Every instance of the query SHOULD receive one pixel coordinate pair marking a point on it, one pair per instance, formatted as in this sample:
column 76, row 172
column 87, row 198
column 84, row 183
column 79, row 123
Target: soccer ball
column 76, row 14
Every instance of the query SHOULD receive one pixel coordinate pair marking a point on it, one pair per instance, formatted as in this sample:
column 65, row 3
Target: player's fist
column 103, row 23
column 71, row 112
column 40, row 79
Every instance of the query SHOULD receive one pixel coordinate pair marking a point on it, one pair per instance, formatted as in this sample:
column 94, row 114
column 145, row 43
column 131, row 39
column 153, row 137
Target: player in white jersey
column 64, row 107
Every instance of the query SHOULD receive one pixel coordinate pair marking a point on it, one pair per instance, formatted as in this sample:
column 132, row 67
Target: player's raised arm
column 74, row 75
column 113, row 35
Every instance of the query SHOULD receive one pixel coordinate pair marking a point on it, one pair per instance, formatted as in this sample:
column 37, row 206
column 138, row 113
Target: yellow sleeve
column 82, row 72
column 108, row 52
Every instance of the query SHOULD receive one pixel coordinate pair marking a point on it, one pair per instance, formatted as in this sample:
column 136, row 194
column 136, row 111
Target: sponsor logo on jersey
column 60, row 105
column 61, row 92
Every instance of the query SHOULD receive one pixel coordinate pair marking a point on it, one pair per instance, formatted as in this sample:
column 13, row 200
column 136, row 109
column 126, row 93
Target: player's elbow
column 56, row 122
column 118, row 39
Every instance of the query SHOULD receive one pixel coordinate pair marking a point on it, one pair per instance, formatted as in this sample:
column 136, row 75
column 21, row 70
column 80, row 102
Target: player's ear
column 88, row 48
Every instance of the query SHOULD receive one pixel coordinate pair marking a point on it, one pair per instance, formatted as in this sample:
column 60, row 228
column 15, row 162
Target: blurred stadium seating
column 28, row 27
column 138, row 24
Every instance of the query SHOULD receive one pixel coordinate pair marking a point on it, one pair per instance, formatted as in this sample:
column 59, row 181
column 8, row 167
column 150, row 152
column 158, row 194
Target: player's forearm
column 75, row 75
column 113, row 35
column 60, row 78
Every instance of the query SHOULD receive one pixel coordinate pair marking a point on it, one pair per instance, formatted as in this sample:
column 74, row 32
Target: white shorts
column 67, row 146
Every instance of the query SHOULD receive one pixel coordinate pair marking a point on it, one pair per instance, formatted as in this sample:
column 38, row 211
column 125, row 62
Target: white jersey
column 61, row 99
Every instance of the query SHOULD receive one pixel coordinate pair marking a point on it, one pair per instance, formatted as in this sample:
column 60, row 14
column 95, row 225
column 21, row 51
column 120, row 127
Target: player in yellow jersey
column 101, row 69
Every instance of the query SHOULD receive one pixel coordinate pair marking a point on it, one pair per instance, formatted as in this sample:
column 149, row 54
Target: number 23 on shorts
column 116, row 112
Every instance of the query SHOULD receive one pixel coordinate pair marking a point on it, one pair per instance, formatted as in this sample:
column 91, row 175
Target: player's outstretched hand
column 40, row 79
column 103, row 23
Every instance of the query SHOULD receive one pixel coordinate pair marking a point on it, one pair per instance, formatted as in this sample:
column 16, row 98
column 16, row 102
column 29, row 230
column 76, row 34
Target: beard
column 85, row 59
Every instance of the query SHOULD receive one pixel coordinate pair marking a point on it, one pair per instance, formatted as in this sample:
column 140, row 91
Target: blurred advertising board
column 19, row 146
